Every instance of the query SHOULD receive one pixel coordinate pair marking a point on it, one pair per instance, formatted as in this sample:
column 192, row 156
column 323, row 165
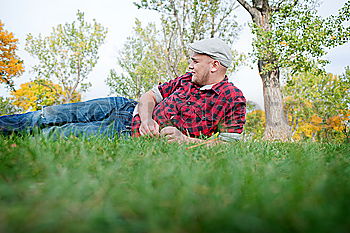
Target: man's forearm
column 146, row 106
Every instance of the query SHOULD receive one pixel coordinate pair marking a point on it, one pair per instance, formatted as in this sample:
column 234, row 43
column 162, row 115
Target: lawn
column 148, row 185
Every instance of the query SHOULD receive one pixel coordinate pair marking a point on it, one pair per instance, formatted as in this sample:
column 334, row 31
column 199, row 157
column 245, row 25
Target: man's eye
column 192, row 61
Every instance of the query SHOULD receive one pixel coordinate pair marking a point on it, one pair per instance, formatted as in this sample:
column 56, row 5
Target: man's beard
column 203, row 80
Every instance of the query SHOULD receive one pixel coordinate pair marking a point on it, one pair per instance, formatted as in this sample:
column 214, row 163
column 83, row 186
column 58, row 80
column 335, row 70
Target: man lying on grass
column 201, row 103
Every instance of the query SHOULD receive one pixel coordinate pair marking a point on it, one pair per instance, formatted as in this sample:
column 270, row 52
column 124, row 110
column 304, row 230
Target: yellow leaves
column 255, row 124
column 316, row 119
column 283, row 43
column 288, row 99
column 309, row 128
column 315, row 106
column 306, row 130
column 308, row 104
column 333, row 121
column 259, row 114
column 337, row 122
column 34, row 95
column 10, row 64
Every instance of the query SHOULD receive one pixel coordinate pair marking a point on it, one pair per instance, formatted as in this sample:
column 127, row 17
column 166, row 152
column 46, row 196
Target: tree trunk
column 276, row 123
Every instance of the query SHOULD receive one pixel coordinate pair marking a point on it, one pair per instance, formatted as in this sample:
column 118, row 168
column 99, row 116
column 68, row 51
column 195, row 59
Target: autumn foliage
column 34, row 95
column 255, row 125
column 317, row 106
column 10, row 64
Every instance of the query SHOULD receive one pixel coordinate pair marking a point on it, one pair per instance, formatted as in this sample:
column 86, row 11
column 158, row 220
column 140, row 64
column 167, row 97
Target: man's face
column 200, row 66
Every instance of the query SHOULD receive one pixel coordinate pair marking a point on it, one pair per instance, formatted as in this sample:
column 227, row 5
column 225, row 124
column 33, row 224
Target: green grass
column 147, row 185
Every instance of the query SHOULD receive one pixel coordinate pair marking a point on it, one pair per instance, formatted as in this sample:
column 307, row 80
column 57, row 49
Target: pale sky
column 39, row 16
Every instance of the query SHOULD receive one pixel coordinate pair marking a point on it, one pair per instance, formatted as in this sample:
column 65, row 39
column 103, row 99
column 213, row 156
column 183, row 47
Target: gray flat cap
column 215, row 48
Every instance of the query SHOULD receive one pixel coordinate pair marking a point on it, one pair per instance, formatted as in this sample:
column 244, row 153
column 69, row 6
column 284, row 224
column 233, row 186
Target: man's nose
column 190, row 66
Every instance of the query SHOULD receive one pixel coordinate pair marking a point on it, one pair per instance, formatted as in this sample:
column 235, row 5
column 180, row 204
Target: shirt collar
column 206, row 87
column 216, row 87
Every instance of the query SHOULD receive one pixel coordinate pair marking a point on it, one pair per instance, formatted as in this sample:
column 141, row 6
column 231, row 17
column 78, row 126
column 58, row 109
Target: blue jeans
column 105, row 116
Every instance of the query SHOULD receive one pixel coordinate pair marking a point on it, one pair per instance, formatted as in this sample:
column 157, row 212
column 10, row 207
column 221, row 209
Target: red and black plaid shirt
column 197, row 112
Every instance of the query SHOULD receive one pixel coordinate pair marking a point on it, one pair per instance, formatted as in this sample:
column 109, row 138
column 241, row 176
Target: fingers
column 167, row 131
column 172, row 134
column 149, row 128
column 146, row 130
column 156, row 128
column 171, row 138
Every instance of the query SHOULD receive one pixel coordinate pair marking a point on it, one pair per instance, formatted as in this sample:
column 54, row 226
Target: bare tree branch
column 232, row 8
column 8, row 82
column 246, row 6
column 178, row 25
column 70, row 95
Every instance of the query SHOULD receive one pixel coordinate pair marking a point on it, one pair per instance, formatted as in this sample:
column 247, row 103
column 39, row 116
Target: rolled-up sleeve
column 157, row 94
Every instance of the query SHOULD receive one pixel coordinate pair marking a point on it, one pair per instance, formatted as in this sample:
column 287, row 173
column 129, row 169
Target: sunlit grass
column 148, row 185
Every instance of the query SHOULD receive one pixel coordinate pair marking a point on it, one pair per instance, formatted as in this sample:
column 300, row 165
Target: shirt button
column 189, row 103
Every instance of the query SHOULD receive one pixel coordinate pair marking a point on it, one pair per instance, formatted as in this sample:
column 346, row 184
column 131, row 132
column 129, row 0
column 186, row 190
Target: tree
column 32, row 96
column 185, row 21
column 318, row 105
column 10, row 64
column 161, row 54
column 7, row 107
column 142, row 61
column 289, row 34
column 68, row 54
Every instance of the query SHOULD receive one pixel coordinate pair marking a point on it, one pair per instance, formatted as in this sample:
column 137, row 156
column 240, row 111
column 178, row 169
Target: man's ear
column 215, row 66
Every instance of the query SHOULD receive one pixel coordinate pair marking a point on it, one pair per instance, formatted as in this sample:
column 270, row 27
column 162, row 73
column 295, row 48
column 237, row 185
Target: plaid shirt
column 196, row 110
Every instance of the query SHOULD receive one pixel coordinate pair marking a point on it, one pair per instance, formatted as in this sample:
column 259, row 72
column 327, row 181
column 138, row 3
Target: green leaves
column 7, row 107
column 69, row 54
column 298, row 37
column 142, row 62
column 152, row 55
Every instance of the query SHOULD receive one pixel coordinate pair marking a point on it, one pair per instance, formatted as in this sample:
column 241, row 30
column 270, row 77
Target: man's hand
column 173, row 134
column 149, row 127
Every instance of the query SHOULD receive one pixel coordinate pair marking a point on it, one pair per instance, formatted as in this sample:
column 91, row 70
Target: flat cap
column 215, row 48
